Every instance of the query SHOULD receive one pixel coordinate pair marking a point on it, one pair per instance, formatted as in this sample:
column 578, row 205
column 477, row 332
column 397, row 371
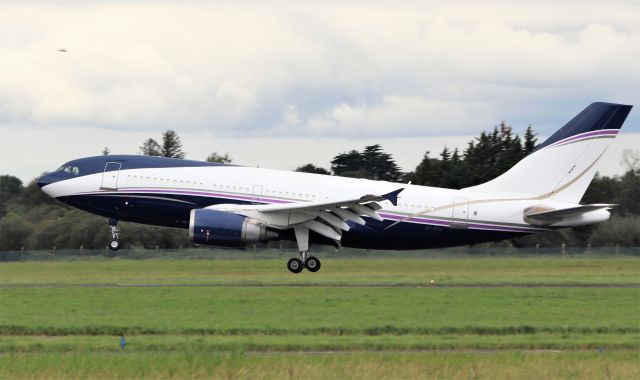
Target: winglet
column 393, row 196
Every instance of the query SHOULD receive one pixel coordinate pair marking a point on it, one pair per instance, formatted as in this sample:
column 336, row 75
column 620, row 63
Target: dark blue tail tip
column 599, row 119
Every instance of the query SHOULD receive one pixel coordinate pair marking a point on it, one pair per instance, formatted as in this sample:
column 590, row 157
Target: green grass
column 311, row 310
column 482, row 270
column 319, row 342
column 257, row 330
column 363, row 365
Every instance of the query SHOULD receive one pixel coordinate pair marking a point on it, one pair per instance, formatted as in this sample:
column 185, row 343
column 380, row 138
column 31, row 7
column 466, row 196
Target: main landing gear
column 295, row 264
column 114, row 243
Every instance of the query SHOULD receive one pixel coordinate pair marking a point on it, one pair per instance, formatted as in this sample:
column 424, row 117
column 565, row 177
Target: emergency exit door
column 110, row 176
column 256, row 194
column 460, row 213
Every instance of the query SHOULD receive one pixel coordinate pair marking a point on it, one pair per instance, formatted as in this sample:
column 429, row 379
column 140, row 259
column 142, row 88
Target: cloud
column 339, row 69
column 400, row 116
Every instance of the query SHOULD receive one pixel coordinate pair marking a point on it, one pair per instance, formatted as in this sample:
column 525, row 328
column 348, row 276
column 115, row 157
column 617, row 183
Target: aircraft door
column 460, row 213
column 110, row 176
column 256, row 194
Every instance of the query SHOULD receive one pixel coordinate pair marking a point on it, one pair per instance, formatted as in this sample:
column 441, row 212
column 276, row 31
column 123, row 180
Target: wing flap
column 323, row 229
column 333, row 220
column 366, row 211
column 348, row 215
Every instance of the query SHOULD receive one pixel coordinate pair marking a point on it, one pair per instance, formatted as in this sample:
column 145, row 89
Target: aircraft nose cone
column 43, row 181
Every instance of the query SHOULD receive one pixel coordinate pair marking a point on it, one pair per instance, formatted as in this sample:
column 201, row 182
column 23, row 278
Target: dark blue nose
column 44, row 180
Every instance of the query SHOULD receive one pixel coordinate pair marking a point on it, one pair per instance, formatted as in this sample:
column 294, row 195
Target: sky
column 284, row 83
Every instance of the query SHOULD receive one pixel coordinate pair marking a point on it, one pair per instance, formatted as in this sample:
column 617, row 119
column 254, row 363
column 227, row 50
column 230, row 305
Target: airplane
column 232, row 206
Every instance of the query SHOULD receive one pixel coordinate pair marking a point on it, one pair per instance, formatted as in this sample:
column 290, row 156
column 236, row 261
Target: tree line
column 31, row 219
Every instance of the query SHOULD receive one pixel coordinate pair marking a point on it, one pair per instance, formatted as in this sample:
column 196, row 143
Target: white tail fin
column 563, row 166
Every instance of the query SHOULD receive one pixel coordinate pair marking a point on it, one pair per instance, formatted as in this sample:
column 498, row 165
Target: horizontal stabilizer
column 538, row 215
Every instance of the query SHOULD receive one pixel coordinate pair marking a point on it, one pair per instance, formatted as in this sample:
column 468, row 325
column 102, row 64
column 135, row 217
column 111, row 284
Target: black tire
column 295, row 265
column 312, row 264
column 114, row 244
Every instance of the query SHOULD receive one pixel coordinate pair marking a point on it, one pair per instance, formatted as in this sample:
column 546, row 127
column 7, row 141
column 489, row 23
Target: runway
column 320, row 285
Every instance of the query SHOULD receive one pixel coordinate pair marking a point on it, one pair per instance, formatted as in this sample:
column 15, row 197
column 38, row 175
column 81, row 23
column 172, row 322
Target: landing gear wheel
column 312, row 264
column 295, row 265
column 114, row 244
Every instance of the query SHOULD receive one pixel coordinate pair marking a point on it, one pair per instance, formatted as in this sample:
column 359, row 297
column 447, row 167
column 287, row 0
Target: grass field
column 357, row 318
column 358, row 365
column 369, row 270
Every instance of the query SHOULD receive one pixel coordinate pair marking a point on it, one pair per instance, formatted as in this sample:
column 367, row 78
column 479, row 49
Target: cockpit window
column 69, row 169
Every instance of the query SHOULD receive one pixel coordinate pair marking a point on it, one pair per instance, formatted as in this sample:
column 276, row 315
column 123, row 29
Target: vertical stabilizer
column 562, row 167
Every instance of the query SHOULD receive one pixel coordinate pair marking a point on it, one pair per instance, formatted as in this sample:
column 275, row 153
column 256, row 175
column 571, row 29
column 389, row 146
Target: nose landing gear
column 114, row 243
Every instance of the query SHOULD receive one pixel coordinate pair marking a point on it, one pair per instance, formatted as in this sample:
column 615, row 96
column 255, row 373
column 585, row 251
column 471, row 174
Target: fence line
column 266, row 253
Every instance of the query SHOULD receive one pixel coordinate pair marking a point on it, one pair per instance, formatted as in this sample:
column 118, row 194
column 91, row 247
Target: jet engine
column 224, row 229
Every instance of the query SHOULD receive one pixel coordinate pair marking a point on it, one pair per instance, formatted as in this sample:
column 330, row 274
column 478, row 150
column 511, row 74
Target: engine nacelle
column 224, row 229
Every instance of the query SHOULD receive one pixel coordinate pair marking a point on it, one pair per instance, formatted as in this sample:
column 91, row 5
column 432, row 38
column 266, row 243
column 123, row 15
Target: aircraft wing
column 392, row 197
column 325, row 218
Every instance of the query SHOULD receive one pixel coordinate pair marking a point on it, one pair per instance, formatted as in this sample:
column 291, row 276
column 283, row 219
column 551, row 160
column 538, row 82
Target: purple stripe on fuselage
column 479, row 226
